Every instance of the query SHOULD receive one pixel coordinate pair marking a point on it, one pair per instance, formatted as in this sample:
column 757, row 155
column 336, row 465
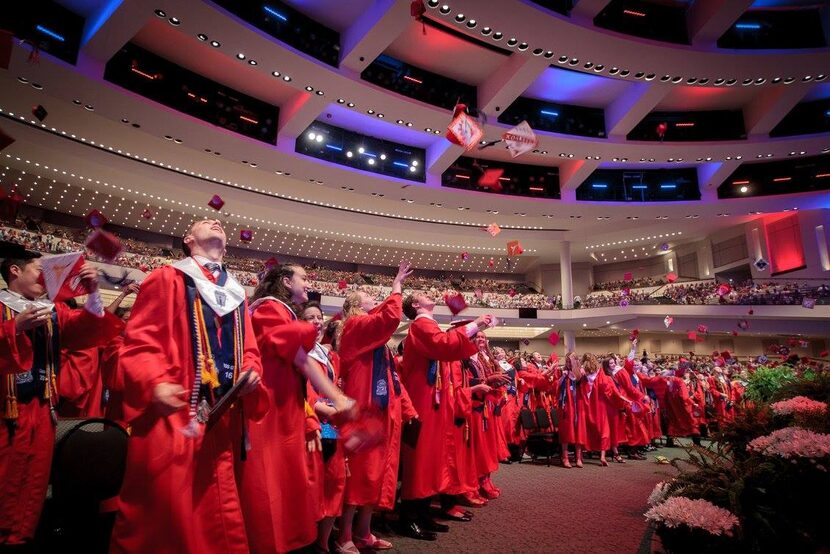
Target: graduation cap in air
column 491, row 179
column 147, row 213
column 553, row 338
column 95, row 219
column 216, row 202
column 493, row 229
column 246, row 235
column 671, row 277
column 455, row 302
column 12, row 250
column 39, row 112
column 464, row 130
column 104, row 244
column 514, row 248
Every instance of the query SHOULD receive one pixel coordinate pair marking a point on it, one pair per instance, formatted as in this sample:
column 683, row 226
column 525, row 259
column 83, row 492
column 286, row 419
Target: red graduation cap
column 793, row 342
column 512, row 292
column 417, row 9
column 465, row 256
column 734, row 333
column 671, row 277
column 147, row 214
column 724, row 289
column 104, row 244
column 514, row 248
column 490, row 179
column 626, row 291
column 342, row 284
column 491, row 263
column 493, row 229
column 246, row 235
column 701, row 328
column 463, row 130
column 553, row 338
column 751, row 312
column 95, row 219
column 691, row 335
column 635, row 334
column 455, row 302
column 271, row 262
column 823, row 353
column 216, row 202
column 627, row 276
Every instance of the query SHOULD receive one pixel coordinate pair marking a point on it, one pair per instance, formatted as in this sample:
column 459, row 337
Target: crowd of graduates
column 327, row 424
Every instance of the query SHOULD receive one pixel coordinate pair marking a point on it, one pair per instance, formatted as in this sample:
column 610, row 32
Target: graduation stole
column 204, row 334
column 47, row 357
column 319, row 353
column 478, row 376
column 383, row 363
column 434, row 379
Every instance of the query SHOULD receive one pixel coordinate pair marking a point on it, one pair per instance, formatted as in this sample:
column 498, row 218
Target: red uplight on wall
column 634, row 13
column 784, row 243
column 413, row 79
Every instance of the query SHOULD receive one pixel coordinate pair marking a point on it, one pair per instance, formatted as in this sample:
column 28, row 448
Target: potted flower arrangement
column 693, row 525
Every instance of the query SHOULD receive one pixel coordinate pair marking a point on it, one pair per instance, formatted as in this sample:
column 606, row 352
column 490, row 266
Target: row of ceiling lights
column 512, row 42
column 627, row 241
column 195, row 174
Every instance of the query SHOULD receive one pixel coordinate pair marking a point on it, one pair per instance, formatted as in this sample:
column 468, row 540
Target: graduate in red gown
column 538, row 383
column 32, row 332
column 112, row 377
column 370, row 377
column 486, row 422
column 81, row 379
column 639, row 421
column 426, row 380
column 571, row 430
column 188, row 341
column 510, row 409
column 721, row 388
column 280, row 511
column 334, row 459
column 595, row 392
column 678, row 401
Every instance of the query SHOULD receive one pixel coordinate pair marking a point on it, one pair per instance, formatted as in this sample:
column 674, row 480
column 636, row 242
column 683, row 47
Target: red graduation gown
column 334, row 472
column 423, row 465
column 26, row 457
column 537, row 385
column 637, row 423
column 80, row 383
column 362, row 335
column 592, row 404
column 460, row 475
column 571, row 431
column 721, row 389
column 179, row 493
column 616, row 417
column 483, row 424
column 681, row 422
column 113, row 379
column 280, row 514
column 401, row 411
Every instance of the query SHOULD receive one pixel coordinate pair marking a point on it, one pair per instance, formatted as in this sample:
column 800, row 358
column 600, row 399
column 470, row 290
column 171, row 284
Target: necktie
column 214, row 268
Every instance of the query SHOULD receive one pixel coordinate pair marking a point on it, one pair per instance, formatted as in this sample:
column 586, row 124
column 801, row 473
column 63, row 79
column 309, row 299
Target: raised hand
column 89, row 276
column 32, row 317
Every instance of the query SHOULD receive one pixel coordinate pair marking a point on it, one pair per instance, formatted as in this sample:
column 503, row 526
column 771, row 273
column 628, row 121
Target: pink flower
column 799, row 405
column 659, row 493
column 696, row 514
column 792, row 442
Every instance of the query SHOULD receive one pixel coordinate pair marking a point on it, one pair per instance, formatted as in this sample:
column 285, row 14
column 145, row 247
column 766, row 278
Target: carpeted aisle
column 556, row 510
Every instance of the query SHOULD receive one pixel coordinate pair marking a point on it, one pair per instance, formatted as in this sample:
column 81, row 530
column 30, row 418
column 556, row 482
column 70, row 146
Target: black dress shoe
column 416, row 531
column 434, row 526
column 454, row 517
column 467, row 513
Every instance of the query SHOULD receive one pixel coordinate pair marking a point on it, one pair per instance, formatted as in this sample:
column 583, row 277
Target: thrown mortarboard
column 624, row 303
column 512, row 292
column 743, row 324
column 465, row 256
column 553, row 338
column 691, row 335
column 95, row 219
column 493, row 229
column 216, row 202
column 671, row 277
column 525, row 342
column 491, row 263
column 342, row 284
column 491, row 179
column 39, row 112
column 734, row 333
column 147, row 214
column 823, row 353
column 463, row 130
column 455, row 302
column 724, row 289
column 16, row 251
column 701, row 328
column 104, row 244
column 635, row 334
column 667, row 321
column 246, row 235
column 761, row 264
column 809, row 303
column 514, row 248
column 520, row 139
column 271, row 262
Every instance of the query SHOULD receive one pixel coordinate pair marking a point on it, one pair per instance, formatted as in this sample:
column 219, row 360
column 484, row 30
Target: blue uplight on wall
column 549, row 113
column 599, row 186
column 668, row 186
column 334, row 147
column 748, row 26
column 50, row 33
column 639, row 187
column 275, row 13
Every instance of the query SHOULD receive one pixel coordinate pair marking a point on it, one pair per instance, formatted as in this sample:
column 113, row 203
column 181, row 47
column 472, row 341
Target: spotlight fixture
column 512, row 41
column 201, row 36
column 215, row 43
column 309, row 88
column 276, row 73
column 160, row 13
column 445, row 9
column 286, row 78
column 350, row 105
column 240, row 56
column 319, row 93
column 175, row 21
column 252, row 62
column 341, row 101
column 460, row 17
column 486, row 31
column 498, row 36
column 370, row 111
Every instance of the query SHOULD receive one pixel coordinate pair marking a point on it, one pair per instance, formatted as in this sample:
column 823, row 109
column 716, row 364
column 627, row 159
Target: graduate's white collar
column 319, row 353
column 221, row 299
column 19, row 303
column 426, row 316
column 260, row 301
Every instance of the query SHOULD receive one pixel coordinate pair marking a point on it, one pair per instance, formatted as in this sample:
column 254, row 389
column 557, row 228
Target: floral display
column 799, row 405
column 792, row 442
column 694, row 513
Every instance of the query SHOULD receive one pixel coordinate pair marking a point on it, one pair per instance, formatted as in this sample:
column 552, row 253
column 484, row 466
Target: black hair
column 408, row 309
column 6, row 266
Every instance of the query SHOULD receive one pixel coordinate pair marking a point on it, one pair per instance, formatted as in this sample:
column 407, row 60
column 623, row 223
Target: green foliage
column 812, row 385
column 754, row 421
column 767, row 381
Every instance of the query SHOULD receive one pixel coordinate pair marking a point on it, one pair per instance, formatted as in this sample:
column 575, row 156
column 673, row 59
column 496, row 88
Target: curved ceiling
column 181, row 161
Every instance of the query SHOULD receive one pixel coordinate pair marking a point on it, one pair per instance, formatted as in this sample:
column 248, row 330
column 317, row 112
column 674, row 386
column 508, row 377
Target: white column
column 565, row 274
column 570, row 340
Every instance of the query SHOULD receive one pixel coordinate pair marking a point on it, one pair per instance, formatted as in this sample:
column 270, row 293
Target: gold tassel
column 11, row 398
column 309, row 412
column 209, row 374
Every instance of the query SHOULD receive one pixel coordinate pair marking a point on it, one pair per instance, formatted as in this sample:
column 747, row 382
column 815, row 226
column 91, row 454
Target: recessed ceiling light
column 252, row 62
column 486, row 31
column 201, row 36
column 445, row 9
column 240, row 56
column 215, row 43
column 160, row 13
column 286, row 78
column 309, row 88
column 350, row 104
column 319, row 93
column 175, row 21
column 498, row 35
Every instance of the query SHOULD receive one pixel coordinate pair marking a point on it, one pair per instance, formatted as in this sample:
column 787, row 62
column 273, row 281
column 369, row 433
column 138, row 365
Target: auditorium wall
column 581, row 277
column 656, row 267
column 814, row 229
